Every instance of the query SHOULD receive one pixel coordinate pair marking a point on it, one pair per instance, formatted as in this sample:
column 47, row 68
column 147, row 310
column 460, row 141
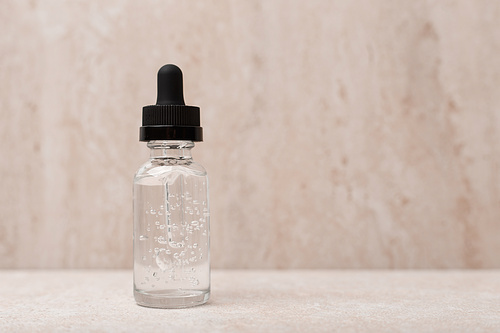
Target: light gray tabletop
column 257, row 301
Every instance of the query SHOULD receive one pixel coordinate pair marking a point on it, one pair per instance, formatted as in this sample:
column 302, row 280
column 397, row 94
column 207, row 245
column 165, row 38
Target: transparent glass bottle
column 171, row 228
column 171, row 207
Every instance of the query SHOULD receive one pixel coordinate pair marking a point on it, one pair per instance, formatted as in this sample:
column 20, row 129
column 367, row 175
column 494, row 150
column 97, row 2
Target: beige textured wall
column 338, row 134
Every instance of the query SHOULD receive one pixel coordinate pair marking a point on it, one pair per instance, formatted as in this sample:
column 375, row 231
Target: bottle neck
column 179, row 150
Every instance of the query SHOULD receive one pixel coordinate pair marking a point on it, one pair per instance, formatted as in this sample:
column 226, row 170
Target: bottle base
column 171, row 299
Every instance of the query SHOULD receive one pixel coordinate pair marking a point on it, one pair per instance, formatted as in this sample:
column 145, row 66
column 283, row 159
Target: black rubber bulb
column 170, row 91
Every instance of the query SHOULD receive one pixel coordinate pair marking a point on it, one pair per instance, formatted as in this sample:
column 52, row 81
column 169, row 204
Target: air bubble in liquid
column 163, row 261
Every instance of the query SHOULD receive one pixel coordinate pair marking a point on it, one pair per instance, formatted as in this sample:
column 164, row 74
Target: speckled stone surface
column 258, row 301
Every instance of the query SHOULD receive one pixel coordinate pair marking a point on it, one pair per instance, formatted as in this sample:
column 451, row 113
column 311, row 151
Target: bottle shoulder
column 161, row 167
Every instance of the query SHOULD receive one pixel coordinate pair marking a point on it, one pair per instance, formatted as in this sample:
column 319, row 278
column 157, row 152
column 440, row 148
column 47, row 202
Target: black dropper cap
column 170, row 118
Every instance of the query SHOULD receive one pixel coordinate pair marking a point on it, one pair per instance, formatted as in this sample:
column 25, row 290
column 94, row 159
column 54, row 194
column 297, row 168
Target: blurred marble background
column 338, row 134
